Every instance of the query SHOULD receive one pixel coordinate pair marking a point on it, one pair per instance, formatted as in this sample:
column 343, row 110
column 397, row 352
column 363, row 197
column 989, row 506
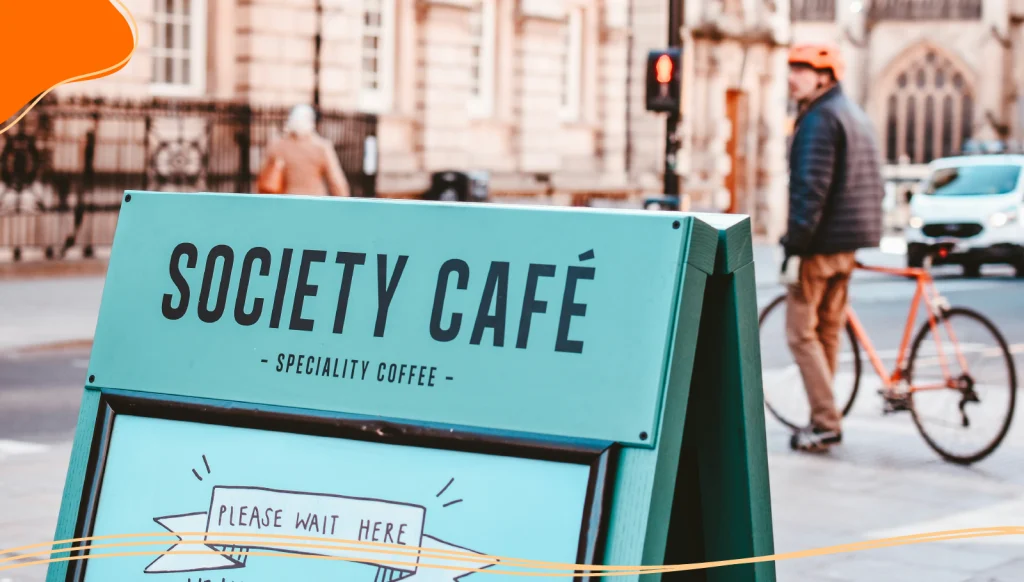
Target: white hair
column 302, row 120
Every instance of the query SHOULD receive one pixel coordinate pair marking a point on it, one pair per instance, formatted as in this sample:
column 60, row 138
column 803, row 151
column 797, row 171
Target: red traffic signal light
column 664, row 80
column 663, row 69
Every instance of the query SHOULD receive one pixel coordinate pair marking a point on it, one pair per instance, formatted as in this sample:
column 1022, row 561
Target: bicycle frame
column 927, row 293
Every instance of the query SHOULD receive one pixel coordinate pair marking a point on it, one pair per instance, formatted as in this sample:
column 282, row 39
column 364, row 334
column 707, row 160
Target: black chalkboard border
column 600, row 456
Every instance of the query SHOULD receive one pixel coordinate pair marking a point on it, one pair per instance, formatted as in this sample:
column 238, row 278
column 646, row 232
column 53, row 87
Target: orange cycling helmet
column 819, row 56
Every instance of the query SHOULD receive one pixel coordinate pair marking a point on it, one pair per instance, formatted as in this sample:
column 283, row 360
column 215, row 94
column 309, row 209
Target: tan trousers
column 815, row 315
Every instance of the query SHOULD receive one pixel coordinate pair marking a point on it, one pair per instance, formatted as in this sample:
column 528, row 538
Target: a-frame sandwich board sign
column 722, row 506
column 569, row 386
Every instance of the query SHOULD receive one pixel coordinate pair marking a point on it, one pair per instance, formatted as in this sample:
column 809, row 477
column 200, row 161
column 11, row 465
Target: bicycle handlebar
column 934, row 250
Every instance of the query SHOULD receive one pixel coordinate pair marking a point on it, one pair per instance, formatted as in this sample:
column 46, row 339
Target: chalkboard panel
column 189, row 466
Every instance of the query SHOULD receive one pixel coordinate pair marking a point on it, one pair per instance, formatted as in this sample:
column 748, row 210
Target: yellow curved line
column 230, row 539
column 241, row 540
column 564, row 568
column 124, row 61
column 244, row 541
column 635, row 571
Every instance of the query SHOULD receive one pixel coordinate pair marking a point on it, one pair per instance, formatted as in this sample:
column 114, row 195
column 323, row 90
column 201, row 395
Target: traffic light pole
column 317, row 49
column 675, row 22
column 671, row 178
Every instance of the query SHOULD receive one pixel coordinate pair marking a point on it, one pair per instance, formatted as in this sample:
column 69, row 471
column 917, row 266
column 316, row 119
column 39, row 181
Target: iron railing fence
column 813, row 10
column 65, row 166
column 911, row 10
column 890, row 10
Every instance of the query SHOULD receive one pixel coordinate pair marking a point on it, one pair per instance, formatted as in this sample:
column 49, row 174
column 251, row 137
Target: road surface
column 883, row 481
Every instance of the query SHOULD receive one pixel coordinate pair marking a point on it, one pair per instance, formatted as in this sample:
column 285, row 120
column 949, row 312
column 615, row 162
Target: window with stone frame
column 179, row 47
column 377, row 46
column 482, row 33
column 929, row 110
column 572, row 64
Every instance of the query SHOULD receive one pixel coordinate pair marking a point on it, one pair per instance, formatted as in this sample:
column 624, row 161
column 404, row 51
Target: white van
column 975, row 203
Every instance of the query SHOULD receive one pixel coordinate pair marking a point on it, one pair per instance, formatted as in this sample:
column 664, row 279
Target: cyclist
column 835, row 208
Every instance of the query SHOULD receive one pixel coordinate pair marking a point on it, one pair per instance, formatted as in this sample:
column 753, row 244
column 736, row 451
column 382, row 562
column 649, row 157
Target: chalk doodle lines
column 274, row 517
column 207, row 464
column 445, row 488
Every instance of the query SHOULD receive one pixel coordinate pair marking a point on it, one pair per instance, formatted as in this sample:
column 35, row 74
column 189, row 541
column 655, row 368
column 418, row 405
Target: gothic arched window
column 929, row 109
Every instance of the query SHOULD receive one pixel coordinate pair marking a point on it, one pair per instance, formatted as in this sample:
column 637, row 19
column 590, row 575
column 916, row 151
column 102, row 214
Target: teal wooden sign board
column 552, row 384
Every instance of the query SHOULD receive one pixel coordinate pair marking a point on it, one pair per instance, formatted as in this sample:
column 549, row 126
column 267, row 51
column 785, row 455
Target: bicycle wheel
column 784, row 394
column 987, row 385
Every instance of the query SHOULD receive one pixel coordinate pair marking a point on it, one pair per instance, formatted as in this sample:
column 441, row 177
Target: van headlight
column 916, row 222
column 1002, row 218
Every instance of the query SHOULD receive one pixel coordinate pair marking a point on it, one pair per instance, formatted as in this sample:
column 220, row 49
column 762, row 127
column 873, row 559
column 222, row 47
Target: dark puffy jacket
column 835, row 180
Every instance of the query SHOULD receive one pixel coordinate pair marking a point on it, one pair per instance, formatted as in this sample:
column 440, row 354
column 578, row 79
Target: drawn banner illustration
column 337, row 518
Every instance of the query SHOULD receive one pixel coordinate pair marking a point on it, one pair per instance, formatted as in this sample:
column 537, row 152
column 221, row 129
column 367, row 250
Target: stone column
column 1017, row 81
column 539, row 56
column 340, row 54
column 612, row 105
column 221, row 49
column 444, row 59
column 278, row 54
column 774, row 201
column 718, row 161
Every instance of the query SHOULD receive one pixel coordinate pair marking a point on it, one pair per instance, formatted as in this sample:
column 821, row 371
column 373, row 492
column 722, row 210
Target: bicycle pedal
column 895, row 405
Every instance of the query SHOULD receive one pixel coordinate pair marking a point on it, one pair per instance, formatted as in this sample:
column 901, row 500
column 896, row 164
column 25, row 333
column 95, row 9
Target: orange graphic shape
column 47, row 43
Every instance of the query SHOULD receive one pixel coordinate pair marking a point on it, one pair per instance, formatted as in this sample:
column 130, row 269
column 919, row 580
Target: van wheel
column 972, row 270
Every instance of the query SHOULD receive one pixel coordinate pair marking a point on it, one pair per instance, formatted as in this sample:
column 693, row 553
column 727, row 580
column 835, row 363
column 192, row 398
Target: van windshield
column 973, row 180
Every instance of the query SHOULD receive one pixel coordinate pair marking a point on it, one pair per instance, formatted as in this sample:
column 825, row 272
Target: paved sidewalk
column 885, row 483
column 37, row 312
column 31, row 487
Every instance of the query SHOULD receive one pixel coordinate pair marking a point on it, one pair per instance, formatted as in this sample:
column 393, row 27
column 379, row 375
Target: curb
column 52, row 269
column 49, row 347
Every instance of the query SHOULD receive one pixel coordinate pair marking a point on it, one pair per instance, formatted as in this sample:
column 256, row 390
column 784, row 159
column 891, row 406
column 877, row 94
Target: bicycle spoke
column 941, row 422
column 967, row 421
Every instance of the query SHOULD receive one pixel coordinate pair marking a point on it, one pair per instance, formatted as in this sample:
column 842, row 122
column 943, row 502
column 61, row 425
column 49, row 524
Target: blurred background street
column 548, row 102
column 883, row 481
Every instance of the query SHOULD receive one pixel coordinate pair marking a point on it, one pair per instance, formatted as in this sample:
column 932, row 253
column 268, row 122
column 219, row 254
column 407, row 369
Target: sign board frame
column 599, row 457
column 692, row 489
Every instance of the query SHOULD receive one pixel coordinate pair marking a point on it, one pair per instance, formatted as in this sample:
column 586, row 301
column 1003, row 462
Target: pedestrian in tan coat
column 307, row 161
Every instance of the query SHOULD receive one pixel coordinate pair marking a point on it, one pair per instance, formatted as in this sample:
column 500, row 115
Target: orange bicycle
column 946, row 384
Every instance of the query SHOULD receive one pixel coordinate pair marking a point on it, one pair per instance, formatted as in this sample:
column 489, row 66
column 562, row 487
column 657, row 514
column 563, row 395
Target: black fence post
column 243, row 137
column 85, row 188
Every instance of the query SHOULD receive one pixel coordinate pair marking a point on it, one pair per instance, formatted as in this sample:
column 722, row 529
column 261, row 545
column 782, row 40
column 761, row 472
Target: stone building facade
column 548, row 95
column 531, row 91
column 545, row 95
column 732, row 135
column 932, row 74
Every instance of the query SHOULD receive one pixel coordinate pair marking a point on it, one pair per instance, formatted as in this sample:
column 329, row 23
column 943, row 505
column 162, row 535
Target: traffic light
column 664, row 79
